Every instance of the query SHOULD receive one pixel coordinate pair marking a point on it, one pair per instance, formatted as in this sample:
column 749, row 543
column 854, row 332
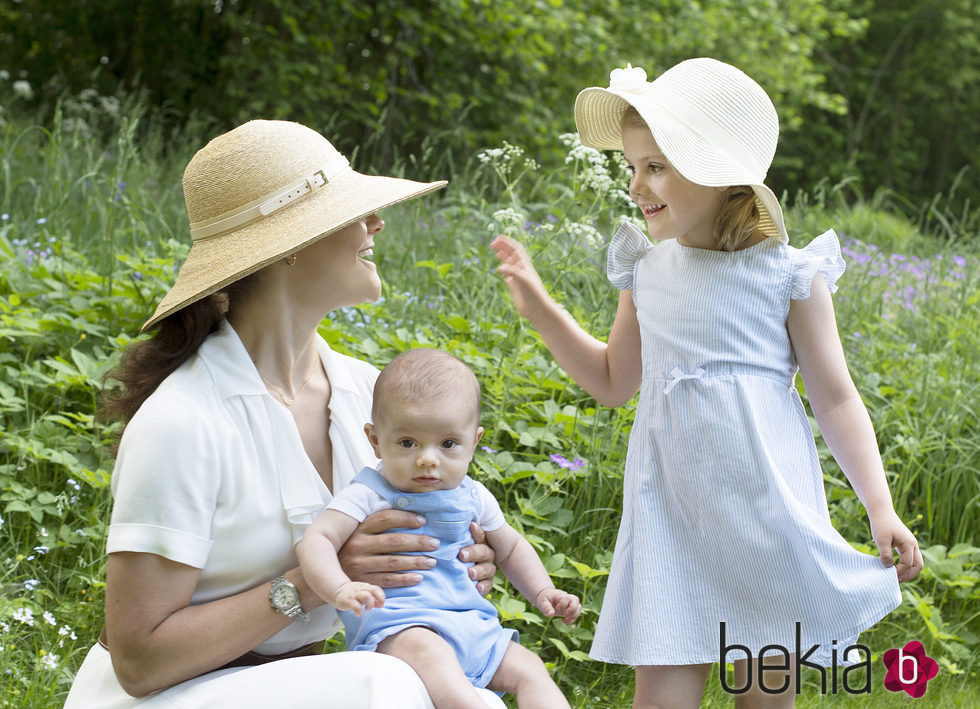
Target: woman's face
column 338, row 268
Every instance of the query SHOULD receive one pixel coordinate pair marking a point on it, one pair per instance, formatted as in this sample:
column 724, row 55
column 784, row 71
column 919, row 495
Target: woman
column 241, row 423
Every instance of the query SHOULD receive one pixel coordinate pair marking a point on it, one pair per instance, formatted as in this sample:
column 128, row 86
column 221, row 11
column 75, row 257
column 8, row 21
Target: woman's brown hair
column 739, row 214
column 145, row 364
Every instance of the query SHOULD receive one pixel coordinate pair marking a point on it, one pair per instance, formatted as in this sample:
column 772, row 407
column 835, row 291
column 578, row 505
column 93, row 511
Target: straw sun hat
column 714, row 124
column 263, row 191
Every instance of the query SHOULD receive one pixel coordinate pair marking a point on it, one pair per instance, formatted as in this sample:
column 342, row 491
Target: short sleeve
column 491, row 517
column 165, row 483
column 358, row 501
column 626, row 248
column 822, row 254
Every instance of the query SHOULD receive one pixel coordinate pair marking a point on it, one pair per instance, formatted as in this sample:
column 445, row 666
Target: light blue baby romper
column 724, row 513
column 446, row 600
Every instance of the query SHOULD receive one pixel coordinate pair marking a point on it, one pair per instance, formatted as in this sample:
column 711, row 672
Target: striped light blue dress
column 724, row 514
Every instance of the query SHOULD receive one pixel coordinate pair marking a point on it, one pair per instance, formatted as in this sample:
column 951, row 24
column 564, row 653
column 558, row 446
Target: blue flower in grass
column 563, row 462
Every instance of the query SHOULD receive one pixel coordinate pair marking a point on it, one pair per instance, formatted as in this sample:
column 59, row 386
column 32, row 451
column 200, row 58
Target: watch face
column 284, row 596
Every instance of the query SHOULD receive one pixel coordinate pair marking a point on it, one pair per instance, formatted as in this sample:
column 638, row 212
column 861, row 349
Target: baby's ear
column 479, row 433
column 372, row 437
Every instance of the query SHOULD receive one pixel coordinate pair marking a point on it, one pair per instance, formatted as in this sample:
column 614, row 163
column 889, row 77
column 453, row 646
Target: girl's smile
column 673, row 206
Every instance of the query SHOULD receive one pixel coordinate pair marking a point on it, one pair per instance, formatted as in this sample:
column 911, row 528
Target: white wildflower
column 624, row 197
column 507, row 220
column 490, row 155
column 24, row 615
column 23, row 89
column 49, row 660
column 48, row 618
column 585, row 233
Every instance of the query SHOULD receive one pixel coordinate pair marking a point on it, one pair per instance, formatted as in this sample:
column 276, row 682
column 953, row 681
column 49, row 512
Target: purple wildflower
column 563, row 462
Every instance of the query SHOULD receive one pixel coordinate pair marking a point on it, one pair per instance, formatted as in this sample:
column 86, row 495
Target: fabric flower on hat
column 632, row 79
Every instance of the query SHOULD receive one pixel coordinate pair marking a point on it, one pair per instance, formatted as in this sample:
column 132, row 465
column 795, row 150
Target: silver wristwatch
column 284, row 598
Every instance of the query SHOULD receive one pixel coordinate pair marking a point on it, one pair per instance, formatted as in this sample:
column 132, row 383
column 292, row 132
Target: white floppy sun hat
column 713, row 122
column 263, row 191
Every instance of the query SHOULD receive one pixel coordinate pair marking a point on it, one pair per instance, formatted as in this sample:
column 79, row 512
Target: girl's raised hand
column 889, row 534
column 523, row 282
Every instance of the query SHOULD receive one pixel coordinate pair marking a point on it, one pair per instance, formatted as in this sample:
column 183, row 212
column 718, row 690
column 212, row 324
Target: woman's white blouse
column 212, row 473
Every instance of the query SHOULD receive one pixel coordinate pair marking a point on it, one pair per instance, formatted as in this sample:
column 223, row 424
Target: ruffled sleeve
column 823, row 255
column 626, row 248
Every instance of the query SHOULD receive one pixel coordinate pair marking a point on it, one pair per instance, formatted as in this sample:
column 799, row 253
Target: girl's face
column 672, row 205
column 337, row 267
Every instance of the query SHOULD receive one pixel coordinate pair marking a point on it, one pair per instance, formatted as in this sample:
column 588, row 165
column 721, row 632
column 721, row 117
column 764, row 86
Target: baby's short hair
column 423, row 374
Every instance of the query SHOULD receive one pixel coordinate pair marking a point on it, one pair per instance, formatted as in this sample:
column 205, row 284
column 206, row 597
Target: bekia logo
column 856, row 677
column 909, row 669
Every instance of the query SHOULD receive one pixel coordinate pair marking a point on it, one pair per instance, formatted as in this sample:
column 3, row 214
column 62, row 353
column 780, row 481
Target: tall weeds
column 91, row 228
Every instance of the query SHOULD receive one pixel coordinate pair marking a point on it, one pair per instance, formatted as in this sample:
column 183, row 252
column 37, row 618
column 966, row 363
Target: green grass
column 90, row 229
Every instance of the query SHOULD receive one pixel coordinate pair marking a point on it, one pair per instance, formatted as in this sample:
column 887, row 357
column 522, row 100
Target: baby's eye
column 630, row 169
column 449, row 443
column 406, row 443
column 655, row 168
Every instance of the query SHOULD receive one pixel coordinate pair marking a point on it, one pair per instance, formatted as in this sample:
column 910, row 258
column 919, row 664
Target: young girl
column 725, row 539
column 426, row 424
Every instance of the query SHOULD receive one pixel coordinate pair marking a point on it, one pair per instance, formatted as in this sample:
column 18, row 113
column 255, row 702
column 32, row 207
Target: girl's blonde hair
column 739, row 213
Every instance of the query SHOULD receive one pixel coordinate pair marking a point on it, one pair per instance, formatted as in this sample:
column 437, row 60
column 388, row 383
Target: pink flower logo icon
column 909, row 669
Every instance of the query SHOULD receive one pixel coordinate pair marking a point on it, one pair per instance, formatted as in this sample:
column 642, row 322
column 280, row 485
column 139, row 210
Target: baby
column 426, row 427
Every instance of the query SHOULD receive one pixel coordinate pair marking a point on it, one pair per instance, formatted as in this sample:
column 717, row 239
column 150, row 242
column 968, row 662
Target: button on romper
column 446, row 600
column 724, row 514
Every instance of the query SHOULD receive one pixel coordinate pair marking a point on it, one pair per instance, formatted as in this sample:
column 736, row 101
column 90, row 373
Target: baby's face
column 426, row 445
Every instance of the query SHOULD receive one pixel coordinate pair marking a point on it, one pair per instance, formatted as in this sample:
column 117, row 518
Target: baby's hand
column 358, row 597
column 556, row 603
column 523, row 282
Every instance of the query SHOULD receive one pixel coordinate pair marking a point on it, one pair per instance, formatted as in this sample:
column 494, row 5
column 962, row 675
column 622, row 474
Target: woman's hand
column 372, row 556
column 482, row 556
column 523, row 282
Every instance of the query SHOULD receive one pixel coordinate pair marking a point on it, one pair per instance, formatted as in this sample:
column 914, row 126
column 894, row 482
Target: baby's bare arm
column 522, row 567
column 317, row 552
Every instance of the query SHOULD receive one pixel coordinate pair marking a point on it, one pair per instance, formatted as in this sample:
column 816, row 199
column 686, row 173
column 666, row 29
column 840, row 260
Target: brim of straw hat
column 598, row 117
column 214, row 263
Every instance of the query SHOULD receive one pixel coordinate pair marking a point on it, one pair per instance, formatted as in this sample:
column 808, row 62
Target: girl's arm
column 157, row 638
column 845, row 424
column 522, row 567
column 317, row 552
column 609, row 372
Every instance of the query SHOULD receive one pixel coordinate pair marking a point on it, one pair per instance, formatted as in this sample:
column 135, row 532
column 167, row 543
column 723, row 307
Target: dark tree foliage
column 913, row 90
column 879, row 90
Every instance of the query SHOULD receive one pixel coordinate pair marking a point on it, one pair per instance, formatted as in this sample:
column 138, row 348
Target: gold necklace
column 283, row 396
